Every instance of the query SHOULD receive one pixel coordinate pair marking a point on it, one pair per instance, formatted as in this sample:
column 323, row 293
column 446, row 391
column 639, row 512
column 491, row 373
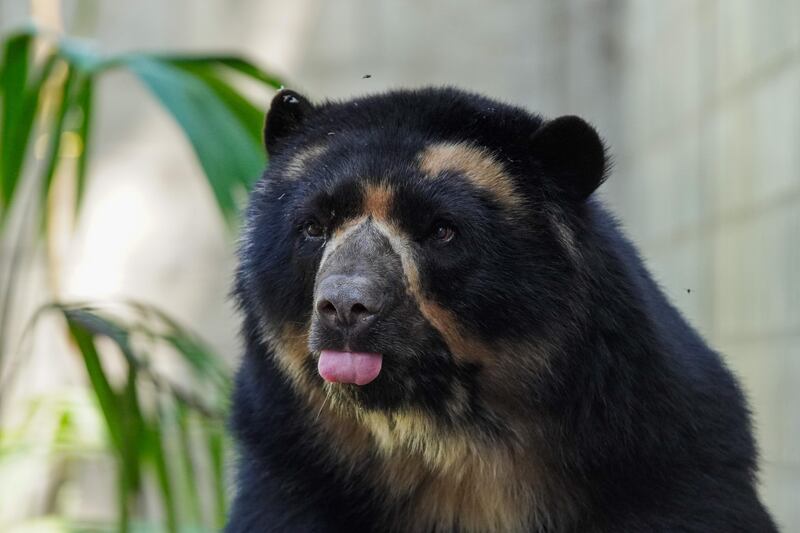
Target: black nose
column 348, row 302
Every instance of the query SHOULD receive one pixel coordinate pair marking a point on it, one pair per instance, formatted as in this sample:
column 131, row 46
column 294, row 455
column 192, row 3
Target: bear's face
column 411, row 252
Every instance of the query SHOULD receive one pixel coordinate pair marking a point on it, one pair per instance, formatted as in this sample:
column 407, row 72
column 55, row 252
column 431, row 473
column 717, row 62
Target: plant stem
column 9, row 287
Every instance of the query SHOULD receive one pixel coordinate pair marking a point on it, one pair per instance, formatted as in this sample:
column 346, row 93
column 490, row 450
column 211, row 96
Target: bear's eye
column 314, row 230
column 442, row 233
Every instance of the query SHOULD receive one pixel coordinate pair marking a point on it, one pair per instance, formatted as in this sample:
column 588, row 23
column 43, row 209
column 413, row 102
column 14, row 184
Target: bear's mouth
column 357, row 368
column 362, row 375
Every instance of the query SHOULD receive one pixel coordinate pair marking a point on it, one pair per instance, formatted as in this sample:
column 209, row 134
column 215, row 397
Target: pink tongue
column 349, row 367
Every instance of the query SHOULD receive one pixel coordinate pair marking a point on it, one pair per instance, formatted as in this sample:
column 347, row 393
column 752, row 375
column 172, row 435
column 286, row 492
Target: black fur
column 636, row 413
column 570, row 151
column 286, row 114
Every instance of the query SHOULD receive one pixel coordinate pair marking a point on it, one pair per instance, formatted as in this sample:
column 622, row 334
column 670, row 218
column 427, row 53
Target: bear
column 445, row 330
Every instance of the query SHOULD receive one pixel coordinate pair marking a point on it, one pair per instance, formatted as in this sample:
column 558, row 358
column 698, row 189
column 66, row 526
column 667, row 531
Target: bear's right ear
column 572, row 154
column 286, row 112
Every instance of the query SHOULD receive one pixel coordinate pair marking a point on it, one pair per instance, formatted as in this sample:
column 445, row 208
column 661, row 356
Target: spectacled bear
column 446, row 331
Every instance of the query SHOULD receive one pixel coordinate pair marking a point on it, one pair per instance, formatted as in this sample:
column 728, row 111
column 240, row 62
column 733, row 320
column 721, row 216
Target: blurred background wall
column 699, row 101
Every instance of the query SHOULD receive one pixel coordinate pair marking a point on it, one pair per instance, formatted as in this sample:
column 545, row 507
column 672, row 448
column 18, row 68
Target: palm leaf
column 56, row 135
column 20, row 100
column 83, row 101
column 233, row 63
column 229, row 155
column 138, row 434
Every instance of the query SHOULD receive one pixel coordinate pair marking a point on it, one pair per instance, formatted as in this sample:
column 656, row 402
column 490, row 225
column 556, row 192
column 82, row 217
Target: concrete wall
column 709, row 159
column 699, row 101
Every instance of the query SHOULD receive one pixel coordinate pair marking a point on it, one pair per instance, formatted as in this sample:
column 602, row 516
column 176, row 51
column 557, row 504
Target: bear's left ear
column 570, row 152
column 286, row 113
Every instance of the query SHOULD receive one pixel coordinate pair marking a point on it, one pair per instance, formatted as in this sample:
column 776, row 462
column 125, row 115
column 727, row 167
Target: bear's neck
column 437, row 479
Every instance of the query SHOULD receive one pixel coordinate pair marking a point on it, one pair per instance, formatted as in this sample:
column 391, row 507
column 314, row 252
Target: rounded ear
column 572, row 154
column 286, row 112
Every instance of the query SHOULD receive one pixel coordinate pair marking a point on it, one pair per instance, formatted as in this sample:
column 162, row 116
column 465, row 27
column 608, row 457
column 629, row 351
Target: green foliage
column 223, row 126
column 229, row 152
column 140, row 434
column 163, row 435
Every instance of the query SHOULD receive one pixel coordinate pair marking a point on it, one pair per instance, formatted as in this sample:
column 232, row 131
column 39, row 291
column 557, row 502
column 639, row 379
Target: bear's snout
column 349, row 304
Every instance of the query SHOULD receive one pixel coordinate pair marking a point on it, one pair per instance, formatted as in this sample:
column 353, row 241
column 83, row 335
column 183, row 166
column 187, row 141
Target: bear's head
column 418, row 250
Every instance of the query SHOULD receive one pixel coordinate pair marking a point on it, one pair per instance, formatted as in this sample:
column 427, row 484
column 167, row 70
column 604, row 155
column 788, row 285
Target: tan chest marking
column 452, row 479
column 443, row 478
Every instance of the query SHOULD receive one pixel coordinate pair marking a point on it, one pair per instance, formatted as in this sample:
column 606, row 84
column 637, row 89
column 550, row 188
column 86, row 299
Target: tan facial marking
column 377, row 201
column 460, row 343
column 499, row 378
column 477, row 164
column 299, row 163
column 290, row 346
